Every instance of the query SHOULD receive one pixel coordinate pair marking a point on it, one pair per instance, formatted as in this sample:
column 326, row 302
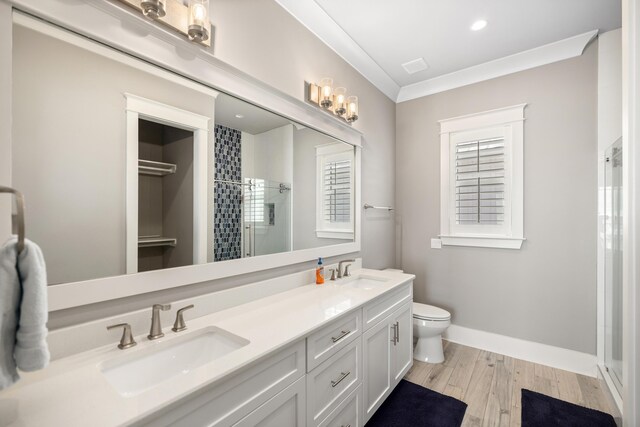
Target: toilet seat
column 429, row 312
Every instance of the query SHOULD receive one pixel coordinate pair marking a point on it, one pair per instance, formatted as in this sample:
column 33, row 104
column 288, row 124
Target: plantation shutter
column 336, row 191
column 254, row 200
column 480, row 181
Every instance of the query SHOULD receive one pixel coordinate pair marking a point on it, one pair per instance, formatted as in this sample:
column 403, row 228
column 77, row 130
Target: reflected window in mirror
column 335, row 184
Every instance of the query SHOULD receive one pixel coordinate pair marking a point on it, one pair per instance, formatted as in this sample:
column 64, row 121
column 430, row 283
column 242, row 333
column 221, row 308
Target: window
column 334, row 194
column 482, row 179
column 254, row 201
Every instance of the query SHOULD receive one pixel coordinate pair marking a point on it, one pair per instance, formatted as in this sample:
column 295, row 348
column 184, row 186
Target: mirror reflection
column 128, row 168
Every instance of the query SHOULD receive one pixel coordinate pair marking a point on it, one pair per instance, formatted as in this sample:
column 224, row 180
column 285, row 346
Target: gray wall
column 545, row 292
column 305, row 175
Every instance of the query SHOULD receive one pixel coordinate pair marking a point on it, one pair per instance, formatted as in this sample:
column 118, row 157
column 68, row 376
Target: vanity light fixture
column 198, row 20
column 326, row 92
column 153, row 9
column 341, row 101
column 333, row 100
column 352, row 109
column 187, row 17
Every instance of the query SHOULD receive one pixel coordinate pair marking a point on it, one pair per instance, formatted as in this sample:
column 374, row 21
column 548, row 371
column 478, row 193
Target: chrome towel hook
column 20, row 205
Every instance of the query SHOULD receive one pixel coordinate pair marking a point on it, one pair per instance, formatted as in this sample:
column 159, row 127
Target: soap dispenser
column 319, row 272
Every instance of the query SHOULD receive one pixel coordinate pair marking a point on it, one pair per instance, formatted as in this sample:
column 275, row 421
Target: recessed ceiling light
column 239, row 116
column 478, row 25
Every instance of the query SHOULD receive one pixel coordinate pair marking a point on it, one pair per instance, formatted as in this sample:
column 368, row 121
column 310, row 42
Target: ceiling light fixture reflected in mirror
column 478, row 25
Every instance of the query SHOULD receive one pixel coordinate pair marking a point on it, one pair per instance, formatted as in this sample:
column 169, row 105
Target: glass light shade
column 199, row 23
column 340, row 98
column 326, row 92
column 153, row 9
column 352, row 109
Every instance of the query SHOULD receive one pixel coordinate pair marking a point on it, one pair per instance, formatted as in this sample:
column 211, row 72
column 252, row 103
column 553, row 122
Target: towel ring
column 20, row 205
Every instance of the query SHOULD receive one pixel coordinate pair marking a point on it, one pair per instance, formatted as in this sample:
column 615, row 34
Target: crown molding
column 546, row 54
column 316, row 20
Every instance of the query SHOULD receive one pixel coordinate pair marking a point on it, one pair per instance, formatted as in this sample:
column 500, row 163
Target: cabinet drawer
column 332, row 381
column 380, row 308
column 348, row 413
column 329, row 340
column 228, row 402
column 287, row 409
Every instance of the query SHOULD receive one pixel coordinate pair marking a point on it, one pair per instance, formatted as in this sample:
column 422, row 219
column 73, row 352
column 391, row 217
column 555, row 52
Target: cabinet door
column 402, row 346
column 286, row 409
column 376, row 365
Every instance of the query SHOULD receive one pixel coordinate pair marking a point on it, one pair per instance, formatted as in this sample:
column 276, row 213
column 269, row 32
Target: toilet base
column 429, row 350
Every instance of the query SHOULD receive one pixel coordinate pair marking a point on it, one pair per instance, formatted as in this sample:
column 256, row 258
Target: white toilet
column 429, row 323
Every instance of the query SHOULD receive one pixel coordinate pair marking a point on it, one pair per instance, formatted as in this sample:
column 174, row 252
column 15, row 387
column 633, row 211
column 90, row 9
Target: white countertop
column 73, row 391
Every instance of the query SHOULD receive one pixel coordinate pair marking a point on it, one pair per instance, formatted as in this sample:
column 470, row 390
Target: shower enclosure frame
column 613, row 384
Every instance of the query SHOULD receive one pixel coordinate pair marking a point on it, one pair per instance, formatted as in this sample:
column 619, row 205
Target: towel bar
column 20, row 205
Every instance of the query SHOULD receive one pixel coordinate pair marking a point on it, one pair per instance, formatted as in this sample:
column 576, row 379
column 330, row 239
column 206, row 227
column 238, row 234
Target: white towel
column 23, row 311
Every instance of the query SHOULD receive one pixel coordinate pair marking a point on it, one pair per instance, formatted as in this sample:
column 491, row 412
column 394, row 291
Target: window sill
column 483, row 241
column 345, row 235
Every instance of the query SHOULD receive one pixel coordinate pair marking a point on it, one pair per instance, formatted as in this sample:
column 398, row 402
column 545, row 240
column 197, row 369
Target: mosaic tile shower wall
column 227, row 197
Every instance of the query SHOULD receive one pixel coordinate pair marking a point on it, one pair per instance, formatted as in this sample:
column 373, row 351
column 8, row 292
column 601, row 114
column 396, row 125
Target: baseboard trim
column 556, row 357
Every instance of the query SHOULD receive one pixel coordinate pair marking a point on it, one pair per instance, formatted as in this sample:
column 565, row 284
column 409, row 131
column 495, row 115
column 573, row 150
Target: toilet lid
column 429, row 312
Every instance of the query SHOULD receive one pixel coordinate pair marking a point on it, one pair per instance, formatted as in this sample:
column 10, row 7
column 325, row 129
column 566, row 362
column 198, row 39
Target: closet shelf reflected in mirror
column 149, row 167
column 153, row 241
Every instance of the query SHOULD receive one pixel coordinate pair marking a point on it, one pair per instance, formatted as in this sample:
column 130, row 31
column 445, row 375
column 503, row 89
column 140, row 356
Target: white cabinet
column 402, row 347
column 287, row 409
column 347, row 375
column 233, row 399
column 331, row 382
column 387, row 356
column 376, row 365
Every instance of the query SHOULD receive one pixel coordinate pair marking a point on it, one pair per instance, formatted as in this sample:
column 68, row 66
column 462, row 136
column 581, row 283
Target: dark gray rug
column 411, row 405
column 540, row 410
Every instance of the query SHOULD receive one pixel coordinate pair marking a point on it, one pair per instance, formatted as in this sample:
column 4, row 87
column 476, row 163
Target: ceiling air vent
column 414, row 66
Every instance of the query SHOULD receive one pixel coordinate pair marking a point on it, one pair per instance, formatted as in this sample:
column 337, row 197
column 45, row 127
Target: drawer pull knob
column 343, row 375
column 339, row 337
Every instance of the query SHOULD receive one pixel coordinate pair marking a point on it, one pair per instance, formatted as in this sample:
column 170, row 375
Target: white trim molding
column 556, row 357
column 508, row 124
column 316, row 20
column 542, row 55
column 142, row 108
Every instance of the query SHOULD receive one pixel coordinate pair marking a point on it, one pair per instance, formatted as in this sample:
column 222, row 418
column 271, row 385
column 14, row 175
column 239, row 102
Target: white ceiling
column 255, row 120
column 386, row 34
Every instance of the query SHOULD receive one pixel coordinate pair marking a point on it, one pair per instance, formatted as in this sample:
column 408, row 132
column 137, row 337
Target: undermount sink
column 366, row 282
column 135, row 373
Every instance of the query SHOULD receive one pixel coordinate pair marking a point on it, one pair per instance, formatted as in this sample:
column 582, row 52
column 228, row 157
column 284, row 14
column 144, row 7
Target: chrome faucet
column 156, row 327
column 344, row 273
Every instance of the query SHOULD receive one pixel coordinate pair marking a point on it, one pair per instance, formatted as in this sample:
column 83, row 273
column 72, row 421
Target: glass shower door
column 613, row 263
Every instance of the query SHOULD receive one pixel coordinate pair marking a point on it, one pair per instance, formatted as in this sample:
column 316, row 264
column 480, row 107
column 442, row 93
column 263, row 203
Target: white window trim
column 322, row 230
column 512, row 120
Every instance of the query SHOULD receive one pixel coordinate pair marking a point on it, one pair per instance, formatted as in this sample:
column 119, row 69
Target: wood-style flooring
column 490, row 384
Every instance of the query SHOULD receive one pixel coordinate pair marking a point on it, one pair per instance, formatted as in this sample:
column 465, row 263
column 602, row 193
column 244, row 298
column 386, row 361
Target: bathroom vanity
column 312, row 356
